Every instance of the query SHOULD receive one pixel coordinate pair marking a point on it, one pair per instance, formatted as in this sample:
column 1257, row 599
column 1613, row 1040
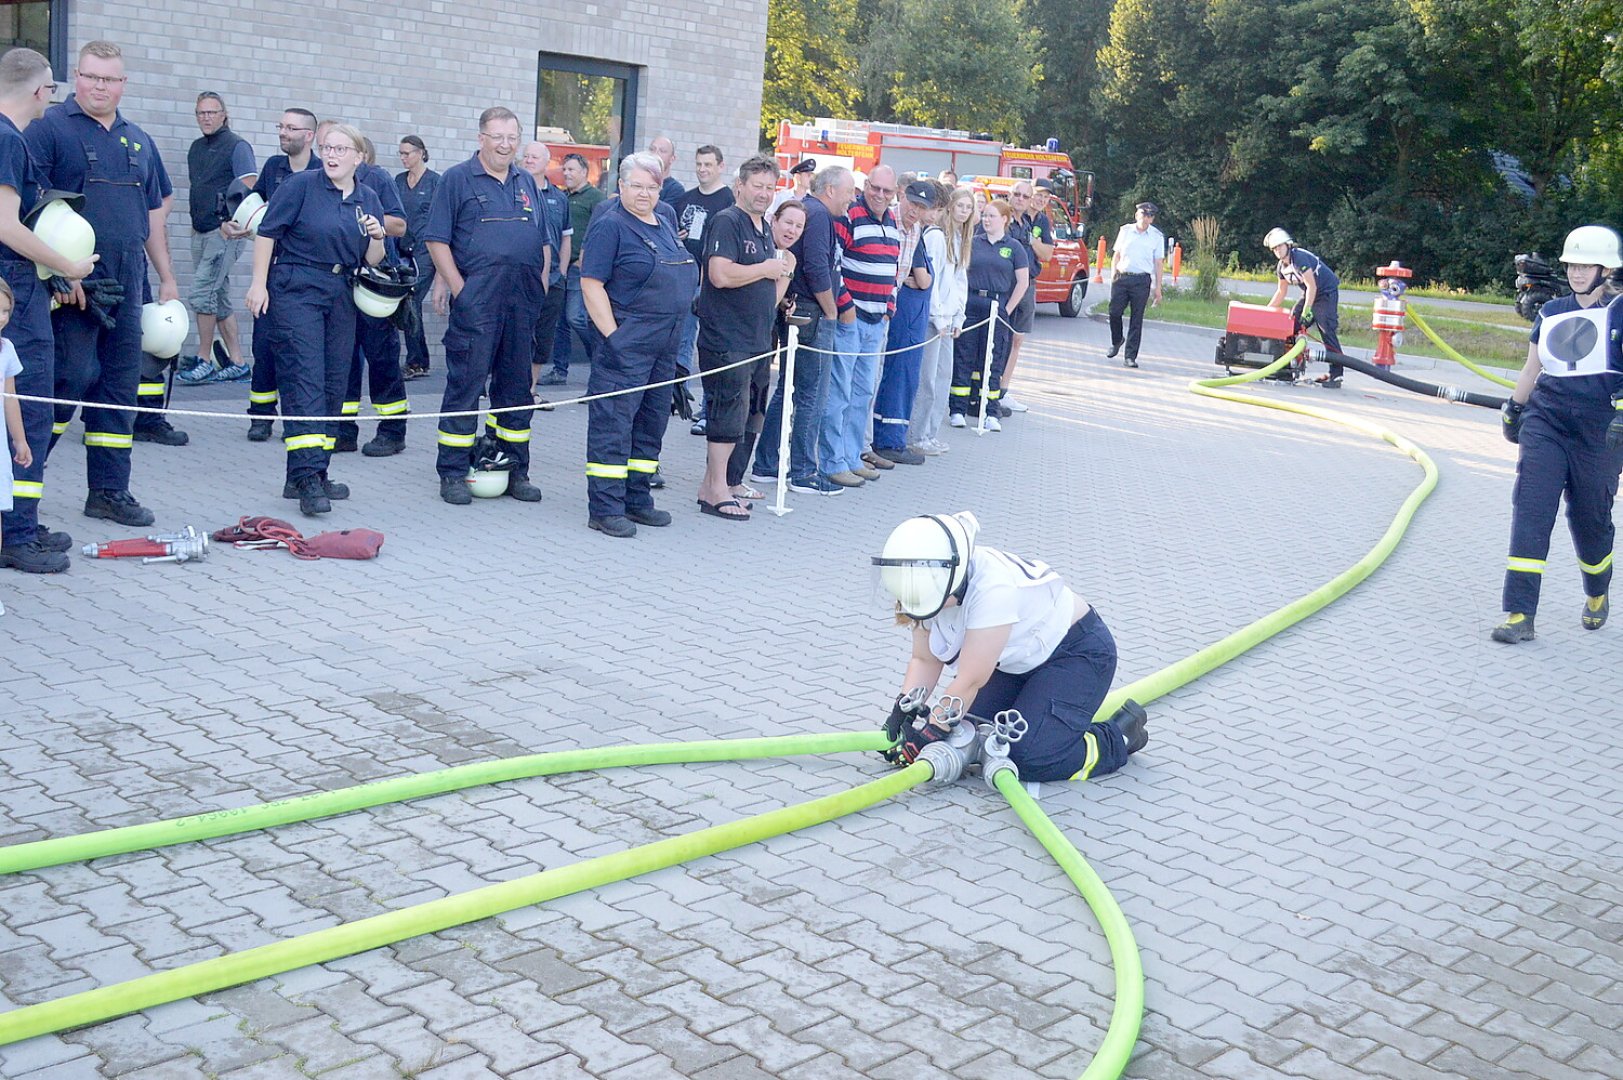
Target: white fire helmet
column 163, row 329
column 926, row 561
column 1593, row 245
column 1275, row 237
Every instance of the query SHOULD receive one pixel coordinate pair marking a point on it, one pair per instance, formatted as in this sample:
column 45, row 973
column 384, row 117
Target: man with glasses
column 872, row 245
column 1034, row 230
column 86, row 145
column 214, row 160
column 295, row 134
column 491, row 264
column 25, row 91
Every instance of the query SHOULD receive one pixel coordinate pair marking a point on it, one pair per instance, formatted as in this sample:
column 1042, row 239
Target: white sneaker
column 1015, row 406
column 956, row 420
column 759, row 478
column 940, row 447
column 992, row 424
column 927, row 448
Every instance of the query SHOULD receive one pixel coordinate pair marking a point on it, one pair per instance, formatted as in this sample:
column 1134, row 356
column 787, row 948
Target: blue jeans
column 576, row 319
column 850, row 394
column 811, row 392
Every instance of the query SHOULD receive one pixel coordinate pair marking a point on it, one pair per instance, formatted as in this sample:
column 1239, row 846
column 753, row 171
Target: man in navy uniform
column 491, row 262
column 25, row 91
column 86, row 145
column 377, row 343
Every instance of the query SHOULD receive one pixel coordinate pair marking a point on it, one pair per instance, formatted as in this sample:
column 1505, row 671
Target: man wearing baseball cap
column 1139, row 251
column 899, row 384
column 801, row 176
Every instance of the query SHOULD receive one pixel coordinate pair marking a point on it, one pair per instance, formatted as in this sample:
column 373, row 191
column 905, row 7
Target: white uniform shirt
column 1006, row 590
column 1139, row 252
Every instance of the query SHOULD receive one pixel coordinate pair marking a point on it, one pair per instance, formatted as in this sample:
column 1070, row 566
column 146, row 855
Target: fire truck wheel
column 1072, row 305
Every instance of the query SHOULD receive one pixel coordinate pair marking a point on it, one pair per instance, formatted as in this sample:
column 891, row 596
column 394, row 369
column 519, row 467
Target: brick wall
column 421, row 66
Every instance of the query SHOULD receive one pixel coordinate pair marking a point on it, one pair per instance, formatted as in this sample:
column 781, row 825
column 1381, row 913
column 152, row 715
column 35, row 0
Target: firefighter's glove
column 406, row 318
column 921, row 733
column 682, row 397
column 1614, row 430
column 102, row 297
column 1511, row 415
column 908, row 707
column 1306, row 319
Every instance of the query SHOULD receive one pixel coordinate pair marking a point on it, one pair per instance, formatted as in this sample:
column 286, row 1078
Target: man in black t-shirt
column 694, row 209
column 744, row 280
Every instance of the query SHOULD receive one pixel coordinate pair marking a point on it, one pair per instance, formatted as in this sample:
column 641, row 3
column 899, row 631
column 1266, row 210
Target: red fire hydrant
column 1390, row 310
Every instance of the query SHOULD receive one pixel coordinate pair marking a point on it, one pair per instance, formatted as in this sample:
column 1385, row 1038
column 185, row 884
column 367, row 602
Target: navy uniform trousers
column 1058, row 699
column 1563, row 452
column 490, row 340
column 969, row 356
column 377, row 350
column 262, row 394
column 30, row 333
column 899, row 384
column 157, row 380
column 312, row 333
column 624, row 434
column 103, row 365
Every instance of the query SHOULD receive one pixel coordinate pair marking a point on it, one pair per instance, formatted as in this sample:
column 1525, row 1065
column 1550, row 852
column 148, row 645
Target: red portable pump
column 1255, row 335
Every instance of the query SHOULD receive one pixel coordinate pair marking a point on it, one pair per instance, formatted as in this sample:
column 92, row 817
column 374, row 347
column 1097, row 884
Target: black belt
column 336, row 268
column 986, row 293
column 1124, row 273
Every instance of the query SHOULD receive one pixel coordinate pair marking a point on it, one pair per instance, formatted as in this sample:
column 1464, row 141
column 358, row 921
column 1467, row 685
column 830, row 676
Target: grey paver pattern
column 1378, row 845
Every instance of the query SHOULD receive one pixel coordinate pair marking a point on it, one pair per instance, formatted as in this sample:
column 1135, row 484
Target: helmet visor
column 918, row 588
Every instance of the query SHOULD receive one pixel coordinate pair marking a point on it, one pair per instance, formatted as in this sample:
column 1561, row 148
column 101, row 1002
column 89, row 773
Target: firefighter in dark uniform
column 416, row 187
column 490, row 257
column 296, row 134
column 1319, row 304
column 157, row 373
column 999, row 277
column 25, row 91
column 1566, row 413
column 1012, row 635
column 86, row 145
column 318, row 227
column 637, row 279
column 377, row 342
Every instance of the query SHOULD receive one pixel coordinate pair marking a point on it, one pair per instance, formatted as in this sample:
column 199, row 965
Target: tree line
column 1447, row 134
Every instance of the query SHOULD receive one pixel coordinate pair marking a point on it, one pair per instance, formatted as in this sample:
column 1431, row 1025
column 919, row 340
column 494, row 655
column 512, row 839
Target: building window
column 41, row 25
column 587, row 107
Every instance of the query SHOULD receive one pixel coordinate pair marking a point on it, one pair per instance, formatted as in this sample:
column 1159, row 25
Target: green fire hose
column 323, row 945
column 1448, row 351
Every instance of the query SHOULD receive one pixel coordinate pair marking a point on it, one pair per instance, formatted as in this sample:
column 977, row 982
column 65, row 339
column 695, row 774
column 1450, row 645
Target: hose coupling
column 952, row 756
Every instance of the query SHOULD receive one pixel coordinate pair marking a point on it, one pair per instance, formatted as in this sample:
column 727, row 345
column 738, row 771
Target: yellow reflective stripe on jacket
column 351, row 408
column 262, row 397
column 313, row 441
column 959, row 391
column 642, row 465
column 1092, row 761
column 28, row 489
column 451, row 438
column 329, row 442
column 1525, row 566
column 606, row 472
column 391, row 408
column 109, row 439
column 507, row 434
column 1600, row 567
column 149, row 389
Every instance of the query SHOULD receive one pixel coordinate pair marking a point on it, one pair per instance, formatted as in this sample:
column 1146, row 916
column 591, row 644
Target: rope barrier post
column 786, row 379
column 986, row 367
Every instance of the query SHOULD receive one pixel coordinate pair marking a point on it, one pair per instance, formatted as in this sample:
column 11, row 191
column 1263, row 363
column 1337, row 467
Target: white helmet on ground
column 163, row 329
column 1275, row 237
column 488, row 483
column 1593, row 245
column 926, row 561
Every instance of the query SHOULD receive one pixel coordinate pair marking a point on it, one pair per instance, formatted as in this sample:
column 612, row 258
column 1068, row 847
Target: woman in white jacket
column 949, row 248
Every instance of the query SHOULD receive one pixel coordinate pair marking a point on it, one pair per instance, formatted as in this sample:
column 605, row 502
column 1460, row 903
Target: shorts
column 726, row 394
column 212, row 258
column 1023, row 316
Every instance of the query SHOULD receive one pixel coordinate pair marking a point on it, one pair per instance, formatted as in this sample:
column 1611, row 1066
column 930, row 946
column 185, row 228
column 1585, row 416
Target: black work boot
column 119, row 506
column 313, row 498
column 1516, row 629
column 1131, row 721
column 331, row 488
column 382, row 446
column 1595, row 618
column 454, row 490
column 520, row 488
column 51, row 540
column 33, row 558
column 163, row 433
column 259, row 430
column 616, row 525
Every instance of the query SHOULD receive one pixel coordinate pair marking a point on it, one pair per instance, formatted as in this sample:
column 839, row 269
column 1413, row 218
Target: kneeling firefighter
column 1017, row 640
column 1566, row 413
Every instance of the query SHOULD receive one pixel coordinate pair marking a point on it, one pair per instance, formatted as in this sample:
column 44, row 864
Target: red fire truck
column 980, row 160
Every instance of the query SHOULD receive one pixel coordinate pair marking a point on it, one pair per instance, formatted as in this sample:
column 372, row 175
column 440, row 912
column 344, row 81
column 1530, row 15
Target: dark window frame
column 57, row 47
column 630, row 74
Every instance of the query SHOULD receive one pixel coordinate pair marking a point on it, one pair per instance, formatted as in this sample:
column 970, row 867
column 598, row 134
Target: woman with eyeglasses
column 318, row 227
column 637, row 280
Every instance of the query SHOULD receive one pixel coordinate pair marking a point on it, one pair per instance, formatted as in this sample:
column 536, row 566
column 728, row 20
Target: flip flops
column 717, row 510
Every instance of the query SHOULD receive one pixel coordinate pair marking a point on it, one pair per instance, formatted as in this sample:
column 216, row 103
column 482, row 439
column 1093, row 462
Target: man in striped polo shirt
column 871, row 243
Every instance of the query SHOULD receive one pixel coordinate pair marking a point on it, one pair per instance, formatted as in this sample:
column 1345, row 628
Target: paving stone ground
column 1377, row 845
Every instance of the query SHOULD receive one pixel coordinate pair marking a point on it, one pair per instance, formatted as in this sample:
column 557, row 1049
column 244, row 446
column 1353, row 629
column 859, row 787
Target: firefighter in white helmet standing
column 1320, row 301
column 1012, row 635
column 1566, row 414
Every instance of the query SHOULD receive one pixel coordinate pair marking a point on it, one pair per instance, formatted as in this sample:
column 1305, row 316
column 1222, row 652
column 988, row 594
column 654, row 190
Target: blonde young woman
column 949, row 247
